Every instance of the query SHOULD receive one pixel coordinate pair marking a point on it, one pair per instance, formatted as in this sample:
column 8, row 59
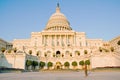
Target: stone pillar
column 43, row 39
column 46, row 40
column 73, row 38
column 67, row 40
column 55, row 40
column 60, row 40
column 50, row 40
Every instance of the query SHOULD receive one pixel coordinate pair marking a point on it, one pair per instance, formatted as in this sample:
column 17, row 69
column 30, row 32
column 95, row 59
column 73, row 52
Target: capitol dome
column 58, row 21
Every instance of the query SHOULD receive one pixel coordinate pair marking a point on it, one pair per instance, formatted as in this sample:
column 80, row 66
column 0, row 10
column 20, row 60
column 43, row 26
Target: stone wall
column 12, row 60
column 105, row 60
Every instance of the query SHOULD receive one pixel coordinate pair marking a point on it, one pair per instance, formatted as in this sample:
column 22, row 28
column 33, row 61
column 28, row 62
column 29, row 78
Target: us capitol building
column 59, row 43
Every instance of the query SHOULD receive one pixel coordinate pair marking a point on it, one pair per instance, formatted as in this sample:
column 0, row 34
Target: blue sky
column 98, row 18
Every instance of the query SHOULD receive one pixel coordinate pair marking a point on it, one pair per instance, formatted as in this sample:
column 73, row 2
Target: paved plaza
column 60, row 76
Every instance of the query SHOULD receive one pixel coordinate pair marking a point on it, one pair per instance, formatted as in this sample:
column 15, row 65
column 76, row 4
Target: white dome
column 58, row 21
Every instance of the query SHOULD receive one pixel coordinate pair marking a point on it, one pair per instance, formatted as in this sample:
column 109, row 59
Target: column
column 48, row 38
column 42, row 39
column 73, row 38
column 60, row 40
column 55, row 40
column 51, row 40
column 67, row 40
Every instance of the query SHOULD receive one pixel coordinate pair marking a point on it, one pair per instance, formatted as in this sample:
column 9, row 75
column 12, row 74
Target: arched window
column 67, row 53
column 57, row 53
column 77, row 53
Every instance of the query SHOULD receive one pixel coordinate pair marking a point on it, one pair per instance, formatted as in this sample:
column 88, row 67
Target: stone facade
column 109, row 58
column 16, row 60
column 58, row 44
column 114, row 43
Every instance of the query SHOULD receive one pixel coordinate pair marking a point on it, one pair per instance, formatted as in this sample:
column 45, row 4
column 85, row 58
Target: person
column 86, row 74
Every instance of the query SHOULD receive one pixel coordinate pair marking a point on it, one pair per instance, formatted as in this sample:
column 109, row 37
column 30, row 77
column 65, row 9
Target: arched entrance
column 57, row 53
column 58, row 65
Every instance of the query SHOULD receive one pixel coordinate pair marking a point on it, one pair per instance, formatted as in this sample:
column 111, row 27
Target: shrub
column 87, row 62
column 28, row 63
column 67, row 64
column 34, row 64
column 74, row 63
column 81, row 63
column 41, row 64
column 3, row 49
column 50, row 64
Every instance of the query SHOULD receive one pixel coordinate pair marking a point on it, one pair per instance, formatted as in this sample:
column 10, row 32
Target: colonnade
column 58, row 40
column 58, row 28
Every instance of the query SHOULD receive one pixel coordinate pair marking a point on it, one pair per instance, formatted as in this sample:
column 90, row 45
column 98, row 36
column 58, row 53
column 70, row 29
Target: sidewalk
column 60, row 76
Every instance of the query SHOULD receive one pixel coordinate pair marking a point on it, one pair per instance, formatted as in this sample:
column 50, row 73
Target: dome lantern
column 57, row 8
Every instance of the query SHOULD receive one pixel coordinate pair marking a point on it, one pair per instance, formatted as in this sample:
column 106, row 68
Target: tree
column 49, row 64
column 85, row 52
column 30, row 52
column 3, row 49
column 41, row 64
column 118, row 42
column 81, row 63
column 87, row 62
column 34, row 64
column 74, row 64
column 28, row 63
column 67, row 64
